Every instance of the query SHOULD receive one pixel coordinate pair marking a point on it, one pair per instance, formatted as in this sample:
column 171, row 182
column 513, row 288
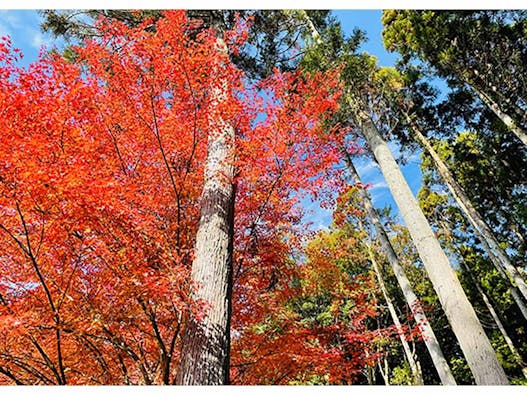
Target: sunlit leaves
column 101, row 168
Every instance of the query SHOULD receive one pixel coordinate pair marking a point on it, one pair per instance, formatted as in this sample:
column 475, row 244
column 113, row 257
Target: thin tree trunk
column 369, row 372
column 438, row 359
column 496, row 254
column 505, row 118
column 497, row 320
column 408, row 353
column 476, row 346
column 385, row 373
column 206, row 340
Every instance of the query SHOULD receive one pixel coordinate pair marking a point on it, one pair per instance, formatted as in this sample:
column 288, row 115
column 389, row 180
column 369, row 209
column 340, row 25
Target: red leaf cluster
column 101, row 168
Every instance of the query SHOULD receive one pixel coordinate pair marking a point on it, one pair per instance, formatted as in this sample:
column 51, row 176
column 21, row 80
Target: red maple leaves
column 101, row 168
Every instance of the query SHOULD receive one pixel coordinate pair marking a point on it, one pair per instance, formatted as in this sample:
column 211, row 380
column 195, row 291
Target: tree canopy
column 154, row 180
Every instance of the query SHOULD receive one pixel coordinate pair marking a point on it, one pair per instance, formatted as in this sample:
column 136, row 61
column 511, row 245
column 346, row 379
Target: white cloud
column 38, row 39
column 378, row 185
column 379, row 192
column 23, row 26
column 365, row 168
column 10, row 19
column 380, row 197
column 6, row 23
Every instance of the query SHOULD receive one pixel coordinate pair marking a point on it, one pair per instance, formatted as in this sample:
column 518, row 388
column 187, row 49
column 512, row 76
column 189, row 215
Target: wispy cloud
column 365, row 168
column 38, row 39
column 23, row 26
column 379, row 192
column 9, row 23
column 10, row 19
column 379, row 185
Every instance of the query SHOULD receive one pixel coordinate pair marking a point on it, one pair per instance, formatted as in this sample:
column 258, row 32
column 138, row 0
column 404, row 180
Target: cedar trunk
column 476, row 346
column 493, row 313
column 429, row 337
column 498, row 257
column 504, row 117
column 416, row 373
column 206, row 340
column 497, row 320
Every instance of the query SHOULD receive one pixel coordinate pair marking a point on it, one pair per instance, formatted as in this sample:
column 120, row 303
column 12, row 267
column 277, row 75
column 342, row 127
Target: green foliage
column 311, row 380
column 461, row 371
column 459, row 239
column 492, row 170
column 390, row 77
column 484, row 49
column 519, row 381
column 402, row 375
column 314, row 309
column 77, row 24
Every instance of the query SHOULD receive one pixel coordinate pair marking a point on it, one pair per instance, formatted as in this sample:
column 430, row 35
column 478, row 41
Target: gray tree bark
column 485, row 235
column 487, row 302
column 406, row 348
column 505, row 118
column 497, row 320
column 206, row 340
column 384, row 370
column 429, row 337
column 476, row 346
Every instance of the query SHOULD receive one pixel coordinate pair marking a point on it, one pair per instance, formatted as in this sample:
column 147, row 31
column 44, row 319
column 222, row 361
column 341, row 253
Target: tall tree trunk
column 486, row 300
column 497, row 320
column 505, row 118
column 206, row 340
column 495, row 252
column 473, row 341
column 429, row 337
column 418, row 378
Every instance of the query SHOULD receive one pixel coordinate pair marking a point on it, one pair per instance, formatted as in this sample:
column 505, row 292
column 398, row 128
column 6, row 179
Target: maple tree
column 100, row 200
column 82, row 196
column 316, row 320
column 153, row 181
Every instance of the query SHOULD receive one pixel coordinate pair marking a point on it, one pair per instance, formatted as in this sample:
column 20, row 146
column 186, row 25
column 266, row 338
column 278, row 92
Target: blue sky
column 370, row 22
column 24, row 28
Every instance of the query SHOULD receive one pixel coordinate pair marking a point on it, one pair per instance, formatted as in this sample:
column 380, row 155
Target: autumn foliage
column 101, row 167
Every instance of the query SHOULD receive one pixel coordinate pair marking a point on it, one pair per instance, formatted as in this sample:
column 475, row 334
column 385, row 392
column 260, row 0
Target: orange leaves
column 91, row 215
column 101, row 168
